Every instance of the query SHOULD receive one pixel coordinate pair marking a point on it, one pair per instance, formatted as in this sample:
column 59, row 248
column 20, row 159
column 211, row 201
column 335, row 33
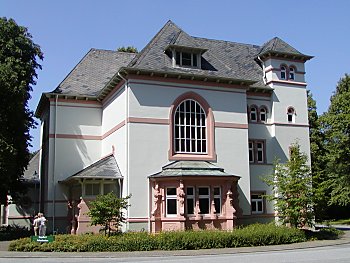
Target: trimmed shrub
column 12, row 232
column 252, row 235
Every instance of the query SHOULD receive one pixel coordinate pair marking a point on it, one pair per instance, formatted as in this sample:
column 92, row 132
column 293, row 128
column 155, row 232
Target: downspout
column 54, row 171
column 126, row 88
column 264, row 73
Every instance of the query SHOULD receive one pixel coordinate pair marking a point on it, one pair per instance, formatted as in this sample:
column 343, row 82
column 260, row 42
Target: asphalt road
column 333, row 254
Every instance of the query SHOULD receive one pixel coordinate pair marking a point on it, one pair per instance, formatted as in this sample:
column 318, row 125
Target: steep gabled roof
column 278, row 46
column 106, row 168
column 93, row 72
column 31, row 174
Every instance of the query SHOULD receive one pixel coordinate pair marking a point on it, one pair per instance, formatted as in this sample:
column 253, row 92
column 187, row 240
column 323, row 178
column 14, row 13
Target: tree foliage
column 336, row 127
column 108, row 211
column 18, row 66
column 292, row 189
column 129, row 49
column 318, row 162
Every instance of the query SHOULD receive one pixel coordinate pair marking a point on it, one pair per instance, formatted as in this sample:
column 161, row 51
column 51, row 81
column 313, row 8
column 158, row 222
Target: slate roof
column 93, row 72
column 31, row 174
column 277, row 45
column 191, row 168
column 222, row 59
column 106, row 168
column 96, row 74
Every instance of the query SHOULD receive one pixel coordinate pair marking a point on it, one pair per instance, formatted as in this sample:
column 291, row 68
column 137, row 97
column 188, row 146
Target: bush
column 324, row 234
column 253, row 235
column 12, row 232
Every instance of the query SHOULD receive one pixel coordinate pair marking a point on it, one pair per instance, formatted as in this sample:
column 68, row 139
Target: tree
column 292, row 189
column 318, row 162
column 107, row 210
column 336, row 125
column 18, row 65
column 129, row 49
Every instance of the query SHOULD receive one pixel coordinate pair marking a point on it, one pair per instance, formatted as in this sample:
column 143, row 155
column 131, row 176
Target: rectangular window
column 92, row 189
column 190, row 200
column 186, row 59
column 257, row 201
column 260, row 152
column 171, row 201
column 108, row 188
column 251, row 152
column 204, row 200
column 256, row 150
column 217, row 200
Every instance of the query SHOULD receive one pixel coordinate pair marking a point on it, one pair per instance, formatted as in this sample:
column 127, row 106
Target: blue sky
column 67, row 29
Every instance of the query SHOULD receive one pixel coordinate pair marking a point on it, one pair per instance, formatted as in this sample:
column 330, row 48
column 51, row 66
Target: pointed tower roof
column 277, row 46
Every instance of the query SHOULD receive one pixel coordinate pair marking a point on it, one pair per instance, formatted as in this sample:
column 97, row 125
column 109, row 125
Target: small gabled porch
column 101, row 177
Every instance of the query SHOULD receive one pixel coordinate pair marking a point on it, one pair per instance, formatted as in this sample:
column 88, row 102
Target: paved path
column 344, row 240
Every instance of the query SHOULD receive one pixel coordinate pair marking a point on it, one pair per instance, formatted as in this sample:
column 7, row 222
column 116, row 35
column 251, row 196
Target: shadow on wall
column 157, row 96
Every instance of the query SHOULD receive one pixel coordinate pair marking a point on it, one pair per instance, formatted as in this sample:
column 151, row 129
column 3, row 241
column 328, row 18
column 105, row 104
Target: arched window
column 253, row 113
column 283, row 72
column 263, row 114
column 190, row 134
column 291, row 114
column 291, row 73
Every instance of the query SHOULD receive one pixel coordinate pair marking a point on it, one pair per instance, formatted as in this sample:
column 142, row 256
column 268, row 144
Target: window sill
column 191, row 157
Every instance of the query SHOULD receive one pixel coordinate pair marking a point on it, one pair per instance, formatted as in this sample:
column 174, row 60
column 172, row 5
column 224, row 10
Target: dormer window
column 186, row 59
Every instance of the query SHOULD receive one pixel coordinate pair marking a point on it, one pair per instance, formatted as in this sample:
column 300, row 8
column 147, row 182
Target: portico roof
column 192, row 168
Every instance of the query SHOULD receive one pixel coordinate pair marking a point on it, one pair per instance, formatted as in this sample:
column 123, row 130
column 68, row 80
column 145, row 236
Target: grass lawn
column 340, row 222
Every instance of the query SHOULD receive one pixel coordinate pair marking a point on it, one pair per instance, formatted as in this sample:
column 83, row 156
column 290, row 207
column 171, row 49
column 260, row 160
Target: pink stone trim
column 115, row 128
column 287, row 82
column 76, row 101
column 185, row 81
column 88, row 137
column 137, row 219
column 211, row 155
column 290, row 124
column 19, row 217
column 250, row 93
column 231, row 125
column 74, row 136
column 147, row 120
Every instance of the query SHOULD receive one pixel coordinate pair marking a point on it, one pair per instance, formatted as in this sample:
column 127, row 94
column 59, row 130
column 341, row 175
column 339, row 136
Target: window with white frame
column 257, row 203
column 171, row 201
column 263, row 114
column 92, row 189
column 291, row 114
column 253, row 114
column 251, row 152
column 257, row 151
column 186, row 59
column 291, row 73
column 283, row 72
column 190, row 197
column 204, row 200
column 217, row 200
column 260, row 151
column 190, row 128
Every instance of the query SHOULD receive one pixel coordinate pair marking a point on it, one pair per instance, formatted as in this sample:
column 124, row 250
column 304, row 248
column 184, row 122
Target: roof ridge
column 228, row 41
column 146, row 49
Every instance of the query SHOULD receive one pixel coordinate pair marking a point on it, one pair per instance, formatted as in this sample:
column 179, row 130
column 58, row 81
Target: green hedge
column 12, row 232
column 253, row 235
